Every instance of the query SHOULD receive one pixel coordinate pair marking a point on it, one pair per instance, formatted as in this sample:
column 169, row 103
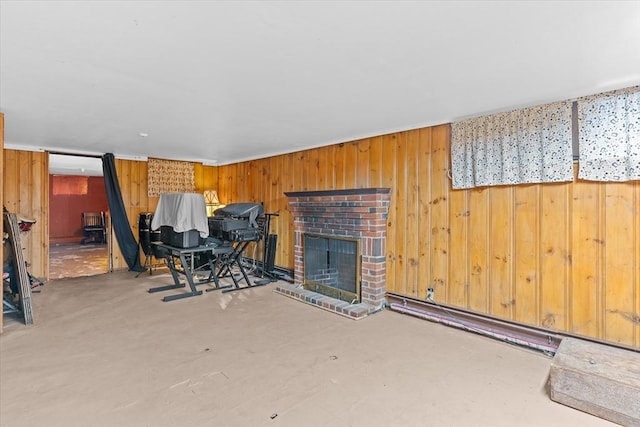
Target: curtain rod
column 95, row 156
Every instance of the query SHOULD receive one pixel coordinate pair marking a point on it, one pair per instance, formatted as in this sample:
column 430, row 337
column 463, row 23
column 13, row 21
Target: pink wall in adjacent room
column 69, row 196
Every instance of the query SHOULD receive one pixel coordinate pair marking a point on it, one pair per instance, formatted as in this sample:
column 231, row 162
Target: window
column 609, row 135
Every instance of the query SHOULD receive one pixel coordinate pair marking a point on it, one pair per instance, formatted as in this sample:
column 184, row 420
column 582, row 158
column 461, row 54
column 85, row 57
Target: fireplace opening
column 331, row 266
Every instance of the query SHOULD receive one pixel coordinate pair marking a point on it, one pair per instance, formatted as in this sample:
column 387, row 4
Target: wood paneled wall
column 558, row 256
column 26, row 192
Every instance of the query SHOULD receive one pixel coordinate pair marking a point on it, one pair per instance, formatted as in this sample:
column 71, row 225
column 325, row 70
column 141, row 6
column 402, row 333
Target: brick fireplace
column 357, row 214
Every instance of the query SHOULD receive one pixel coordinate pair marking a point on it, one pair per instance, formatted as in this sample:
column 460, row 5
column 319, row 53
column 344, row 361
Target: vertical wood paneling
column 226, row 182
column 146, row 202
column 350, row 164
column 300, row 178
column 137, row 194
column 242, row 176
column 303, row 177
column 478, row 253
column 363, row 154
column 25, row 191
column 424, row 214
column 555, row 258
column 38, row 205
column 206, row 178
column 562, row 256
column 588, row 246
column 458, row 293
column 526, row 253
column 339, row 165
column 11, row 179
column 389, row 179
column 328, row 169
column 284, row 222
column 273, row 184
column 620, row 263
column 129, row 195
column 319, row 169
column 375, row 162
column 440, row 227
column 254, row 183
column 26, row 184
column 411, row 212
column 500, row 257
column 401, row 224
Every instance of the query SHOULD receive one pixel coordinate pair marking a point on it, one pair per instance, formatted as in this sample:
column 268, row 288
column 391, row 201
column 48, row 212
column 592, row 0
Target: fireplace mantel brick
column 354, row 213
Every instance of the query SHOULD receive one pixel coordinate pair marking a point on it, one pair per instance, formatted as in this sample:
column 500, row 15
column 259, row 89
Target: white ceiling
column 221, row 82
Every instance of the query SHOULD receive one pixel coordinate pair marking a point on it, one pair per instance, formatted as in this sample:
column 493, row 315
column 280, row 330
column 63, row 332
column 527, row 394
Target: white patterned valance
column 609, row 129
column 531, row 145
column 168, row 176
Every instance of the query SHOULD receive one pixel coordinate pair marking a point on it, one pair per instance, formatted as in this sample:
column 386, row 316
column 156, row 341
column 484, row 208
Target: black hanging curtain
column 124, row 235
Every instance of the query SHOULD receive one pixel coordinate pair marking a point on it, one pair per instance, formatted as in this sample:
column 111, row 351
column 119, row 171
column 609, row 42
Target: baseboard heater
column 538, row 339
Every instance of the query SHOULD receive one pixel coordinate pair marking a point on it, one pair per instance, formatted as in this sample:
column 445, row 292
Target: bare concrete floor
column 104, row 352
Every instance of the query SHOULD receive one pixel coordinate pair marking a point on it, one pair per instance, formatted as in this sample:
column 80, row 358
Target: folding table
column 186, row 257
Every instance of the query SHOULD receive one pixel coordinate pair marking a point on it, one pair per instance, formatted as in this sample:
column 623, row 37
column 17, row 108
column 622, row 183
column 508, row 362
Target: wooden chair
column 94, row 227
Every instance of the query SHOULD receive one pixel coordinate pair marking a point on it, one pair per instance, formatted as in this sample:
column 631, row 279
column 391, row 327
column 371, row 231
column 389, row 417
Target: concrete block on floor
column 598, row 379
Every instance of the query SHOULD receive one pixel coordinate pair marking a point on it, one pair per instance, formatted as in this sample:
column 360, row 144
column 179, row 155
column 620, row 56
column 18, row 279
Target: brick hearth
column 356, row 213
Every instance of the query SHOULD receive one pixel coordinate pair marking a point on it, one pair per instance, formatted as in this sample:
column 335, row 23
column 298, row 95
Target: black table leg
column 176, row 280
column 213, row 265
column 235, row 259
column 189, row 275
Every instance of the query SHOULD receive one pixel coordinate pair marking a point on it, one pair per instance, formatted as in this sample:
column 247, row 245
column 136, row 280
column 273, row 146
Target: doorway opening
column 77, row 192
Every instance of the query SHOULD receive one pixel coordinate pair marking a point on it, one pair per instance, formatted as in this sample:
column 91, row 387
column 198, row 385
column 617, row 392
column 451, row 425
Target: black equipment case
column 185, row 239
column 236, row 222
